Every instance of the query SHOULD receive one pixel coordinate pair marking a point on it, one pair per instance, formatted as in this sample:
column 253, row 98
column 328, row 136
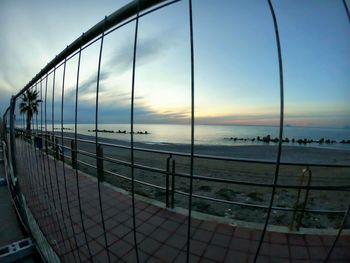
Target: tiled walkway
column 10, row 230
column 10, row 226
column 161, row 234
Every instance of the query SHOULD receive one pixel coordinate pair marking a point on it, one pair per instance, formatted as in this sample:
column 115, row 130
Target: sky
column 235, row 61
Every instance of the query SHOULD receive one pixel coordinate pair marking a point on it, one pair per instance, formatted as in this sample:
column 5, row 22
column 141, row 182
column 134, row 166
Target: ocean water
column 215, row 134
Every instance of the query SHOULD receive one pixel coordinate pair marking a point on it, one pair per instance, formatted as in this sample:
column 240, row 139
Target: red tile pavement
column 161, row 234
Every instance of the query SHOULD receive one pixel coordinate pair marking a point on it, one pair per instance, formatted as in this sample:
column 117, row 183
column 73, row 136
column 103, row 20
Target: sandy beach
column 232, row 195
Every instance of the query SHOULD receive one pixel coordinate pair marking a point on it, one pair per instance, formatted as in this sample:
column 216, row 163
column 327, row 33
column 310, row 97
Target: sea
column 214, row 134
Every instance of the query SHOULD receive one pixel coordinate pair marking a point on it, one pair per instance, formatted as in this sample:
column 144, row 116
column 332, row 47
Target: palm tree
column 29, row 106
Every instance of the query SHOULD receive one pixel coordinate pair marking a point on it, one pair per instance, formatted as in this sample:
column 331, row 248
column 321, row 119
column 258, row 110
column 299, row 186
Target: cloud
column 114, row 95
column 120, row 114
column 303, row 119
column 148, row 49
column 90, row 84
column 119, row 62
column 239, row 119
column 114, row 107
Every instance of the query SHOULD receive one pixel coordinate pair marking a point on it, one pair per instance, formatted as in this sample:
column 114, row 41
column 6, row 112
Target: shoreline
column 318, row 137
column 293, row 154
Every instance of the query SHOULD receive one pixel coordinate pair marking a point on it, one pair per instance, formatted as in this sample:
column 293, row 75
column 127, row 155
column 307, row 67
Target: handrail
column 207, row 156
column 197, row 177
column 218, row 180
column 208, row 178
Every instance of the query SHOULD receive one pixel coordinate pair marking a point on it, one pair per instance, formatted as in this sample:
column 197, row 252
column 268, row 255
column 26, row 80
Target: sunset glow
column 236, row 69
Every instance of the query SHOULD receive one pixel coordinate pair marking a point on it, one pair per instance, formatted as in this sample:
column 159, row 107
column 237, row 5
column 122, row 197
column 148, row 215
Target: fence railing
column 47, row 170
column 66, row 147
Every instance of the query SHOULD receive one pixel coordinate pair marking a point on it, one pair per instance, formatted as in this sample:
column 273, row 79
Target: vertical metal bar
column 55, row 167
column 45, row 113
column 46, row 144
column 346, row 9
column 16, row 187
column 42, row 160
column 99, row 148
column 300, row 218
column 132, row 133
column 61, row 149
column 338, row 235
column 36, row 117
column 38, row 172
column 73, row 147
column 13, row 148
column 42, row 184
column 63, row 163
column 41, row 112
column 12, row 136
column 76, row 138
column 167, row 181
column 20, row 152
column 192, row 134
column 100, row 169
column 44, row 175
column 36, row 177
column 51, row 143
column 57, row 152
column 280, row 64
column 21, row 157
column 173, row 184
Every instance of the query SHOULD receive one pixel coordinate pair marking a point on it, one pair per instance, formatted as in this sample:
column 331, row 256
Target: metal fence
column 89, row 199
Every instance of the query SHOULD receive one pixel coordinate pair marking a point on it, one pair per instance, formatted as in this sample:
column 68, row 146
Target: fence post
column 62, row 150
column 30, row 137
column 301, row 215
column 46, row 144
column 55, row 140
column 99, row 157
column 296, row 204
column 47, row 141
column 52, row 143
column 73, row 149
column 167, row 180
column 173, row 185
